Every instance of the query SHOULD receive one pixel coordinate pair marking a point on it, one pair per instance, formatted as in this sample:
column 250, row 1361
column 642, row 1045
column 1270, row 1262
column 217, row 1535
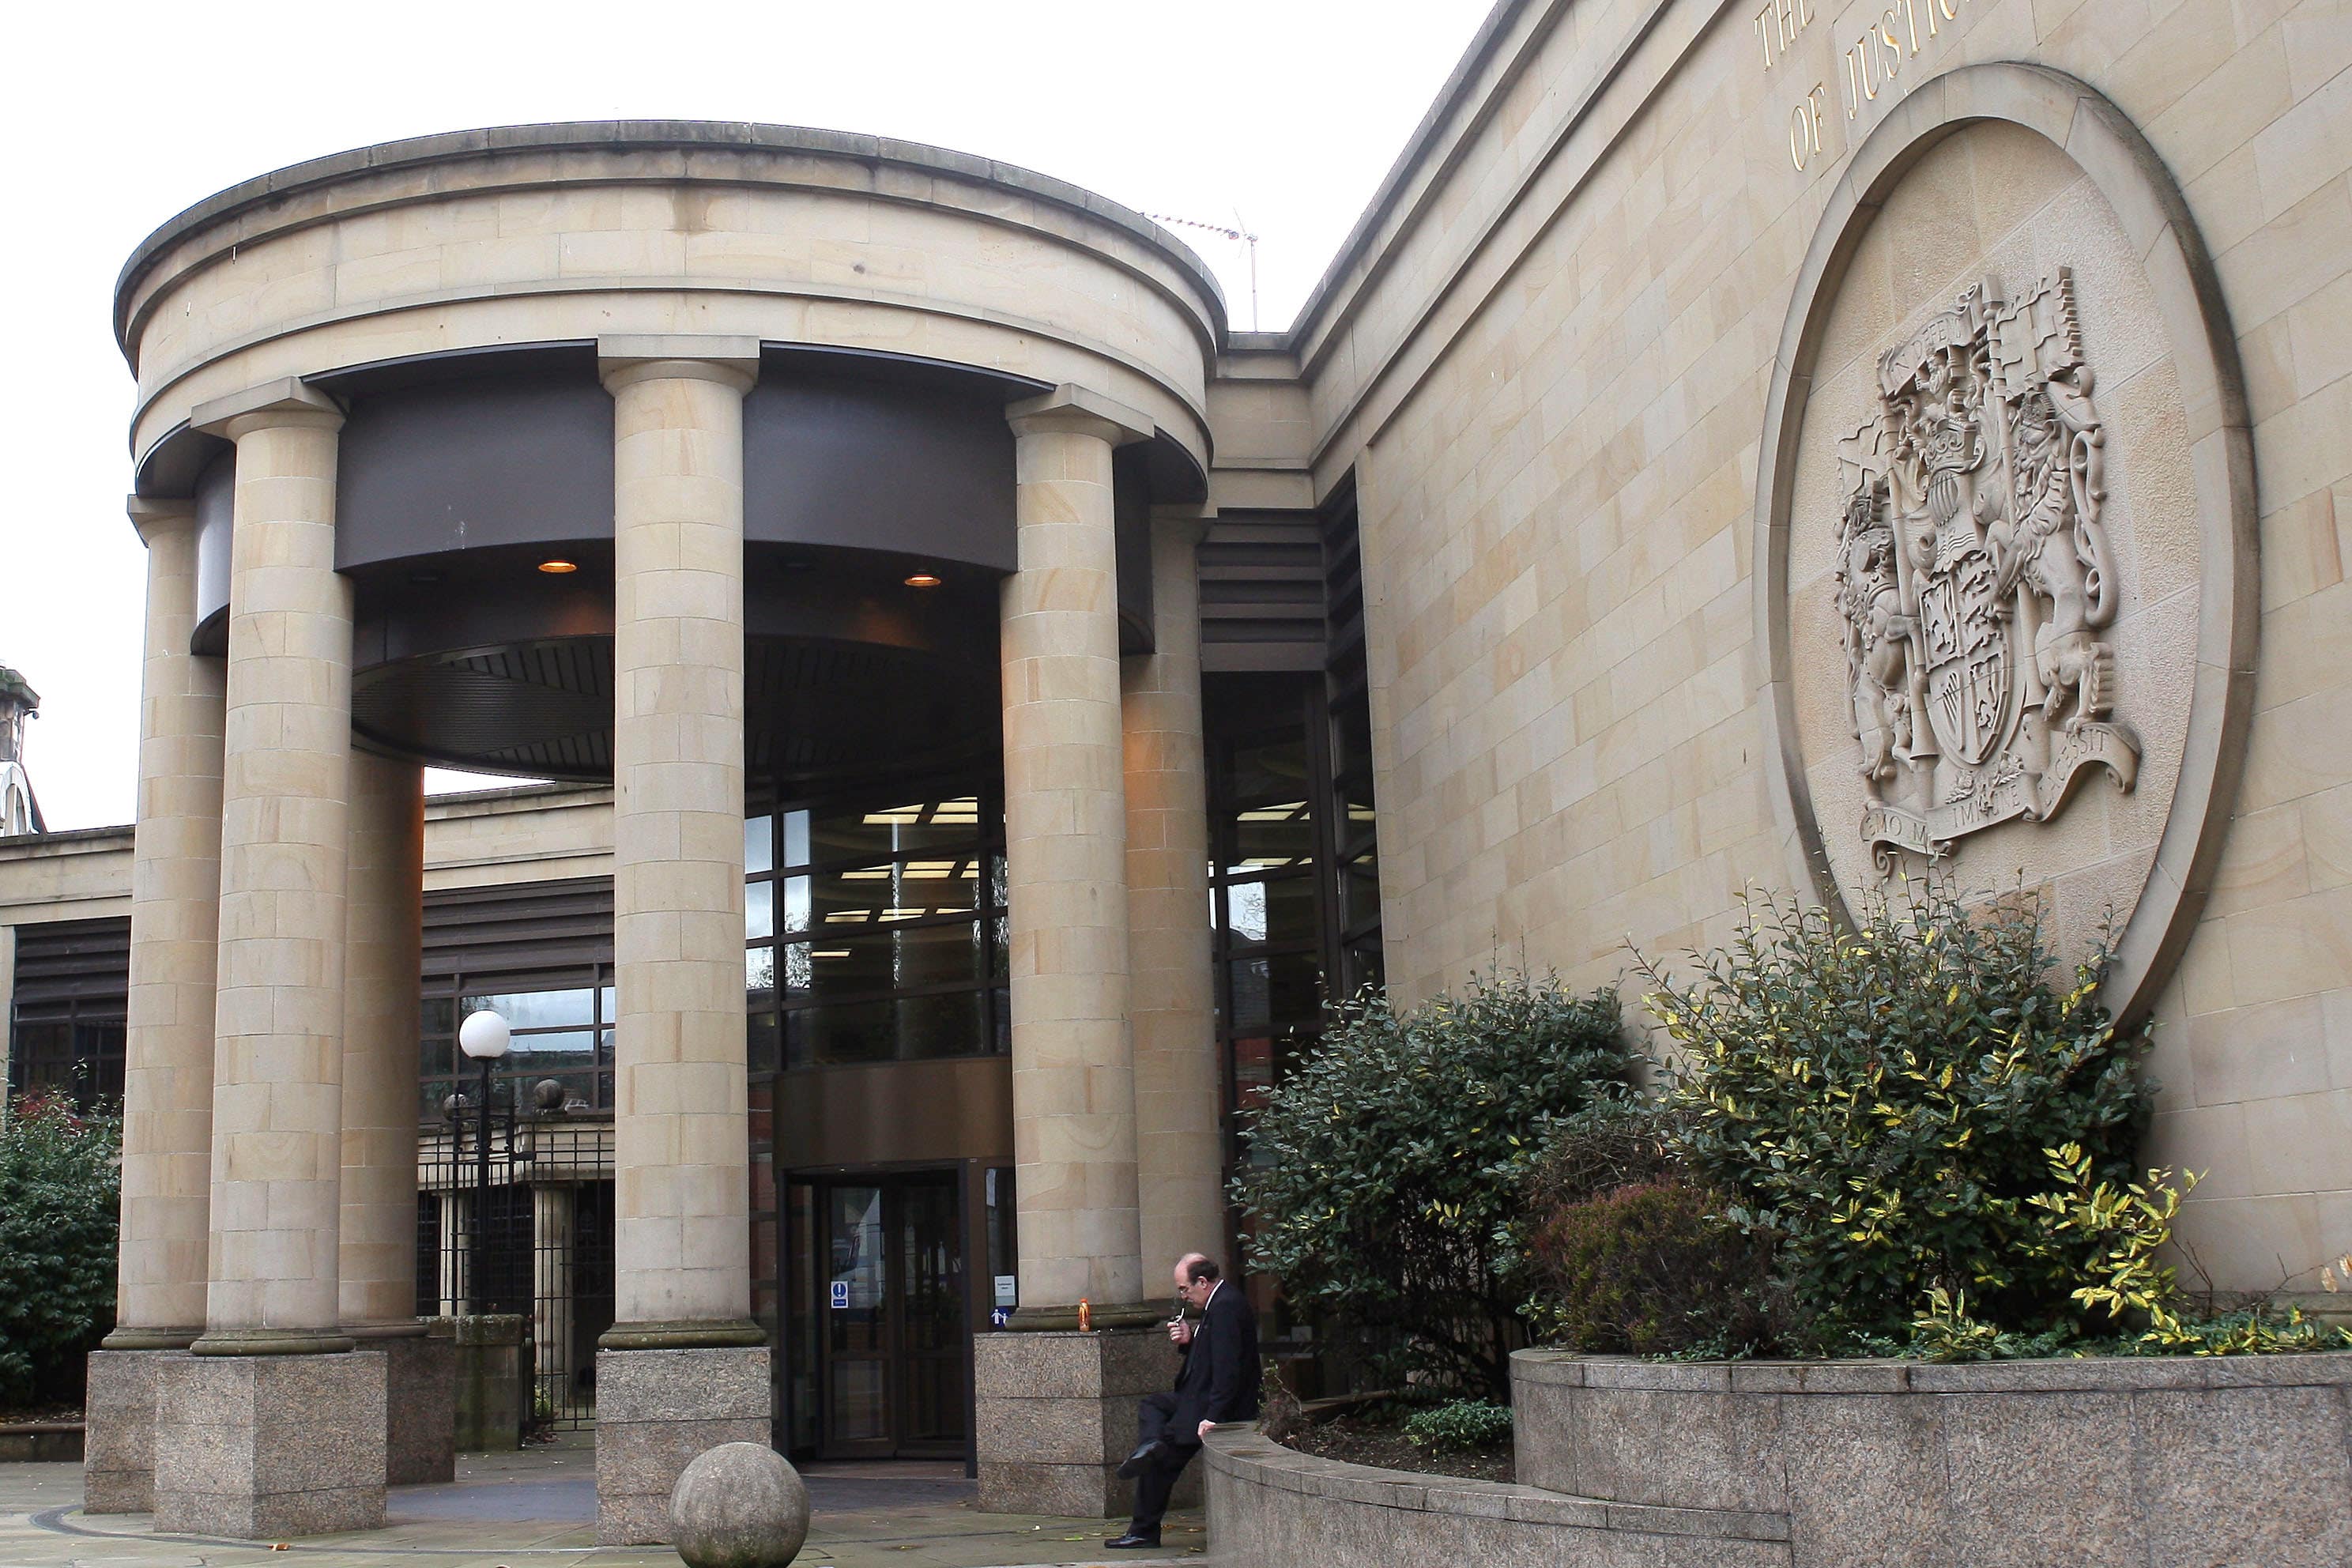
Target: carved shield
column 1967, row 649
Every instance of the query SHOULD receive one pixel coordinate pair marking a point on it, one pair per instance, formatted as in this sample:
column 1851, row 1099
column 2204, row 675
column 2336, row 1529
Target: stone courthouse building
column 1763, row 445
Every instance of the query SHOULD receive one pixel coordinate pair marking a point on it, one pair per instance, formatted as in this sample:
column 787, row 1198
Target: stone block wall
column 2171, row 1461
column 1550, row 374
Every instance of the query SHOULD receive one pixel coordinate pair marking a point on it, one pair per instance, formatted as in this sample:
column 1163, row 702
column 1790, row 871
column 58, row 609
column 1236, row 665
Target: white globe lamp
column 483, row 1037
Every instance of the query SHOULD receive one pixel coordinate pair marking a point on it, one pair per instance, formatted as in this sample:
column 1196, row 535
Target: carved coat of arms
column 1974, row 575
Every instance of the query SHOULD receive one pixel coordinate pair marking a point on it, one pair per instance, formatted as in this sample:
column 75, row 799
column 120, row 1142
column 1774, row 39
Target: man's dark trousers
column 1156, row 1422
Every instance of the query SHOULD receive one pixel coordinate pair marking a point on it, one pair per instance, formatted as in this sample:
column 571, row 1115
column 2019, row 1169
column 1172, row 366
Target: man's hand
column 1204, row 1430
column 1180, row 1332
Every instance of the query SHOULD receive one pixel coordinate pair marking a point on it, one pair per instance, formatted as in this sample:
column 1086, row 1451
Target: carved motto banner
column 1974, row 575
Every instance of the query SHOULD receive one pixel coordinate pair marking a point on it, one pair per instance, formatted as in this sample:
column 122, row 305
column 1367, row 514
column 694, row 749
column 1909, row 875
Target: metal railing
column 515, row 1216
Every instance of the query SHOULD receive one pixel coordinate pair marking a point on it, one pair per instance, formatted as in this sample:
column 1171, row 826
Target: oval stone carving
column 2004, row 511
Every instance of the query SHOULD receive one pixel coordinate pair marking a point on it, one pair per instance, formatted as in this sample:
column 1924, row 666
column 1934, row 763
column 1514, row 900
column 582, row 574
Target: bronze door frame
column 892, row 1353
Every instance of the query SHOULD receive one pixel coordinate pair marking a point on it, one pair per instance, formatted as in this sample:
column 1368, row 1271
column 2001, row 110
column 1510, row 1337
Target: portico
column 725, row 530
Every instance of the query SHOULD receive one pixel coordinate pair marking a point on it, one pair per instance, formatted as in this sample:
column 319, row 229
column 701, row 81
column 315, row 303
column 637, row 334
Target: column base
column 420, row 1429
column 657, row 1410
column 263, row 1448
column 1057, row 1414
column 118, row 1467
column 488, row 1385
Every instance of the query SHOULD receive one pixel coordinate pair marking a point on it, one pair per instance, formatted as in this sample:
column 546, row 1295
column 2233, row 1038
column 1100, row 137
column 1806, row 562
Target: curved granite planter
column 2171, row 1463
column 1272, row 1507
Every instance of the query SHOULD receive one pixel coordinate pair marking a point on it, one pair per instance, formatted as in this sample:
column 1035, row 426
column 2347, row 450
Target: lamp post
column 483, row 1037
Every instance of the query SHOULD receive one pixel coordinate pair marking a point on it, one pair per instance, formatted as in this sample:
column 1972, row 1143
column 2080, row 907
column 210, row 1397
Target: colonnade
column 267, row 1282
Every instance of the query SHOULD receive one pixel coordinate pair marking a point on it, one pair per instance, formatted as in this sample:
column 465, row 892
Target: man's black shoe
column 1132, row 1465
column 1132, row 1539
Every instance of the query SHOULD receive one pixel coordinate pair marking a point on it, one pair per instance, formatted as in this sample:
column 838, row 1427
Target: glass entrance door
column 891, row 1303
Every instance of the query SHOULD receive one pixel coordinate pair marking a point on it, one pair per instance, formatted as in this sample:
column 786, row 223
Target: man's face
column 1193, row 1294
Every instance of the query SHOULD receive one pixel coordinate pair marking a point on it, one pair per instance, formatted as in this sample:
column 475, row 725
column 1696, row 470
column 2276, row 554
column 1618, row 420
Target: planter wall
column 1272, row 1507
column 2165, row 1462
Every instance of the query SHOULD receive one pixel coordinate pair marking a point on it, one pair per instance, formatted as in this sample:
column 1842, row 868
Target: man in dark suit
column 1218, row 1382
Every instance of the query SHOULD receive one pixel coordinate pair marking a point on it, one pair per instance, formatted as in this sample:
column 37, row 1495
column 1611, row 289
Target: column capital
column 152, row 516
column 274, row 405
column 730, row 361
column 1078, row 410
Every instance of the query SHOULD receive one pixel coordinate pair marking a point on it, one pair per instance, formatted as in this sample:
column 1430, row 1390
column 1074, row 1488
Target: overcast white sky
column 1286, row 111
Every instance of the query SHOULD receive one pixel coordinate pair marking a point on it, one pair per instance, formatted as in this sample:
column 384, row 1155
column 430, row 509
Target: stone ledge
column 2169, row 1459
column 41, row 1442
column 1566, row 1368
column 1266, row 1502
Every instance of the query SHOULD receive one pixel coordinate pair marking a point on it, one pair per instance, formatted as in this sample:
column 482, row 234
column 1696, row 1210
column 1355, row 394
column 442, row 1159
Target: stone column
column 684, row 1368
column 456, row 1246
column 551, row 1282
column 167, row 1090
column 1066, row 904
column 1171, row 993
column 275, row 1427
column 376, row 1249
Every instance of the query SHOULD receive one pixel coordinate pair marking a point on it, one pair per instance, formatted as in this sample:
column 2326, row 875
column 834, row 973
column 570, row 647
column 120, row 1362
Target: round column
column 1171, row 993
column 383, row 946
column 1066, row 849
column 683, row 1268
column 683, row 1369
column 167, row 1086
column 276, row 1165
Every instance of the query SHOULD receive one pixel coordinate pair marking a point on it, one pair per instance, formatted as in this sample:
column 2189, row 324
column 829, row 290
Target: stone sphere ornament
column 739, row 1505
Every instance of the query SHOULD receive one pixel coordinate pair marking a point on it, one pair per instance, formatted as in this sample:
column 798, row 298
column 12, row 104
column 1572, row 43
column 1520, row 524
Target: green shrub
column 60, row 1191
column 1460, row 1427
column 1882, row 1106
column 1619, row 1140
column 1385, row 1169
column 1653, row 1269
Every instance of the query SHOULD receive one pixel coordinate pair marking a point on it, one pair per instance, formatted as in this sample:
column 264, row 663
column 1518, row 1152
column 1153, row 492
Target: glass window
column 888, row 929
column 536, row 1009
column 758, row 843
column 908, row 958
column 1266, row 766
column 1276, row 991
column 836, row 833
column 1278, row 911
column 544, row 1053
column 912, row 1029
column 1271, row 838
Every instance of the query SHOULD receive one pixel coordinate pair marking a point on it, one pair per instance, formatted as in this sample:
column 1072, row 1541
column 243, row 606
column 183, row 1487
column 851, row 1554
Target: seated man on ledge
column 1218, row 1382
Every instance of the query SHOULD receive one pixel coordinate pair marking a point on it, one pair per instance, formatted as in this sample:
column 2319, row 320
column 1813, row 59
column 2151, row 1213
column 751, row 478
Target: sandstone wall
column 1551, row 379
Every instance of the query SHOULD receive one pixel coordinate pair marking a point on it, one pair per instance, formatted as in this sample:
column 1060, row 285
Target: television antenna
column 1240, row 235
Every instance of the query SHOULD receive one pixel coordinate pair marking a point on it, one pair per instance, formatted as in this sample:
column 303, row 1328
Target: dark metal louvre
column 515, row 935
column 85, row 962
column 1263, row 593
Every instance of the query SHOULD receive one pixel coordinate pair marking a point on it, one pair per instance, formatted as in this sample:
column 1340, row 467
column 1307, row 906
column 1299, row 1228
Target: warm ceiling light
column 559, row 568
column 922, row 580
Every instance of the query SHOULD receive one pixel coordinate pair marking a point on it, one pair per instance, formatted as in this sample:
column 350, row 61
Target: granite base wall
column 1057, row 1414
column 118, row 1456
column 657, row 1410
column 264, row 1447
column 487, row 1385
column 420, row 1408
column 1272, row 1507
column 2170, row 1462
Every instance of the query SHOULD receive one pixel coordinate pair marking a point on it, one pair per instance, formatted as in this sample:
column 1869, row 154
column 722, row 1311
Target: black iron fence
column 515, row 1215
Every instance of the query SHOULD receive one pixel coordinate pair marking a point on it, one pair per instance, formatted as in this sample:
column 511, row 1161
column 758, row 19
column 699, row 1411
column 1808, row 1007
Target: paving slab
column 537, row 1510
